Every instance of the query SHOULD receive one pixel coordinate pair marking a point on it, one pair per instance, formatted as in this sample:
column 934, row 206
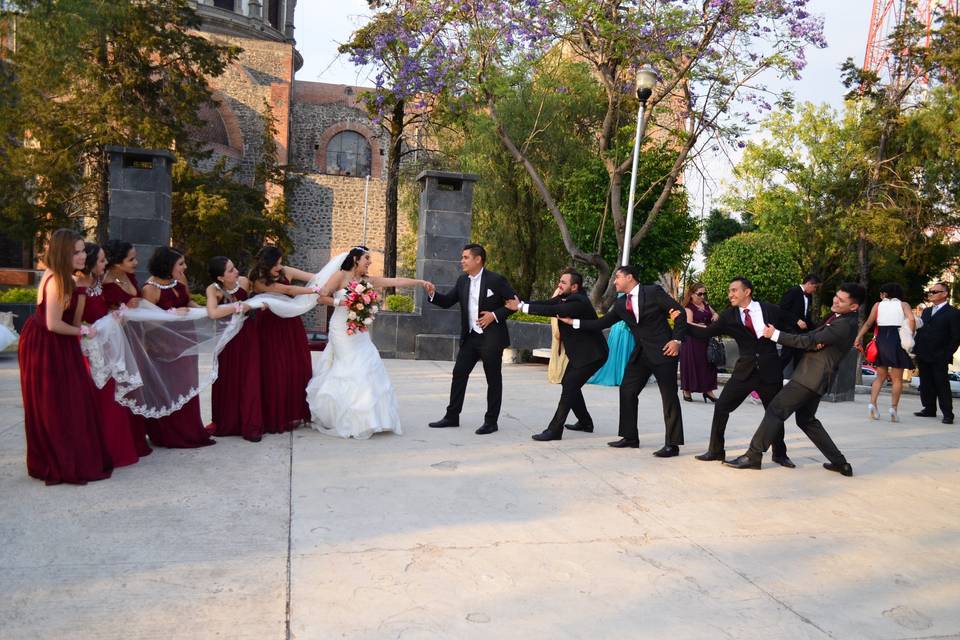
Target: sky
column 323, row 24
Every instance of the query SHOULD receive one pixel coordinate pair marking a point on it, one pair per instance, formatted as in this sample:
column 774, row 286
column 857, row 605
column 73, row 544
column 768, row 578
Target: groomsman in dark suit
column 797, row 307
column 586, row 350
column 826, row 347
column 481, row 295
column 936, row 342
column 757, row 367
column 645, row 309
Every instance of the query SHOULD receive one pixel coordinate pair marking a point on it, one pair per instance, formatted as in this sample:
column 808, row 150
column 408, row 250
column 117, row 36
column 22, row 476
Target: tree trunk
column 393, row 186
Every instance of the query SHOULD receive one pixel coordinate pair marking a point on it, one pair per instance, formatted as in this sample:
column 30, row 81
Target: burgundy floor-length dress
column 60, row 415
column 285, row 370
column 114, row 295
column 696, row 374
column 182, row 429
column 118, row 433
column 237, row 410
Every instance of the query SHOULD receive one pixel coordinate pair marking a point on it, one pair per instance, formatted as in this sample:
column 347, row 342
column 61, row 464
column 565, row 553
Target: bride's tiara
column 360, row 247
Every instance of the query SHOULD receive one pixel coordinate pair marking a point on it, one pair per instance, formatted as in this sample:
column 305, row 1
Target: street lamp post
column 647, row 78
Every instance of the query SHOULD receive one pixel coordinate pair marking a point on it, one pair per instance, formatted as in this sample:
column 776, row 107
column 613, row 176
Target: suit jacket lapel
column 482, row 294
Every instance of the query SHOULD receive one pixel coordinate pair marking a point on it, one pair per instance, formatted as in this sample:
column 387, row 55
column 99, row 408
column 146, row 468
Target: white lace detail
column 162, row 287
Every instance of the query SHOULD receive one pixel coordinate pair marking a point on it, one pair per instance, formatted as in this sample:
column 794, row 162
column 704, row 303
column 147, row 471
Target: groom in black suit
column 586, row 351
column 757, row 368
column 481, row 295
column 825, row 347
column 645, row 309
column 797, row 308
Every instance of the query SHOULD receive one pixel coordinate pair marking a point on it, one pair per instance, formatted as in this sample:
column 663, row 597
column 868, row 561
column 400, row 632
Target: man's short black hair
column 630, row 270
column 811, row 279
column 856, row 291
column 744, row 281
column 575, row 277
column 476, row 250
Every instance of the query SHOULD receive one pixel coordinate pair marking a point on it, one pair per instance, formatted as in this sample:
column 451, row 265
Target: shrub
column 760, row 257
column 19, row 295
column 520, row 316
column 399, row 303
column 199, row 298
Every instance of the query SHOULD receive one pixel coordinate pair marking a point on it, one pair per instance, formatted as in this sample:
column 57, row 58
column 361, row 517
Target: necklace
column 162, row 287
column 229, row 292
column 125, row 283
column 95, row 288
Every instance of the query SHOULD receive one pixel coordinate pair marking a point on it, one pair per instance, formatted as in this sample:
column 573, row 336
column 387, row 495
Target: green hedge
column 399, row 303
column 21, row 295
column 520, row 316
column 760, row 257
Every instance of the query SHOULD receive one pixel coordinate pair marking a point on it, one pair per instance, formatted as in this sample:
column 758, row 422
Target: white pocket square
column 489, row 293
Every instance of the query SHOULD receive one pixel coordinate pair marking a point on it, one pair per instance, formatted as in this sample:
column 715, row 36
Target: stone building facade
column 324, row 135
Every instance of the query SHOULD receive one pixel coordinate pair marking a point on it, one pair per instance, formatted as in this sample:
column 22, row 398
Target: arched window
column 212, row 130
column 348, row 154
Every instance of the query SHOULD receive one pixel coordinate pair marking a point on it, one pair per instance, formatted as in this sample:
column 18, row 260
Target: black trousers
column 935, row 387
column 634, row 378
column 473, row 349
column 732, row 396
column 571, row 396
column 794, row 398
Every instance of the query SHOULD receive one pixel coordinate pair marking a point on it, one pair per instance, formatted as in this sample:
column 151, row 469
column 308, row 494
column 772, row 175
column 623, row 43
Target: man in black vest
column 757, row 367
column 481, row 295
column 936, row 342
column 586, row 350
column 645, row 309
column 825, row 348
column 797, row 307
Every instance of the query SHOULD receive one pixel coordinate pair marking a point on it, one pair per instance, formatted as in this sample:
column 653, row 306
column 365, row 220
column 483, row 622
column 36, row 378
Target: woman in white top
column 896, row 326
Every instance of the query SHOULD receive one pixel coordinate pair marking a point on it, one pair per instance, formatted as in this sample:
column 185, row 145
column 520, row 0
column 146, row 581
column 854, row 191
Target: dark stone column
column 140, row 199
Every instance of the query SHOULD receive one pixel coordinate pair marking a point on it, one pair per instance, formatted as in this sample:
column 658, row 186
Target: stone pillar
column 254, row 9
column 140, row 199
column 843, row 384
column 432, row 333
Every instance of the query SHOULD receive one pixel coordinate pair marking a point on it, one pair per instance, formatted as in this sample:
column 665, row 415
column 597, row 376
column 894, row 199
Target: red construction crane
column 886, row 15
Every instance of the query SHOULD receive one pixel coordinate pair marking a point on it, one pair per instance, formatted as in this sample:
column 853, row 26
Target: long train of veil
column 160, row 360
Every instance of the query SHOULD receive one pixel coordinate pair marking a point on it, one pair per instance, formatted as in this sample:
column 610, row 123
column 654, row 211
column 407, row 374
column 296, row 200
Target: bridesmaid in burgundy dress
column 182, row 429
column 285, row 366
column 120, row 288
column 90, row 307
column 697, row 375
column 237, row 410
column 60, row 415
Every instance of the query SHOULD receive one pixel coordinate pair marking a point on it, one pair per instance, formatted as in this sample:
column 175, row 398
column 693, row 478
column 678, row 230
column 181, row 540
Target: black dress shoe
column 687, row 398
column 843, row 469
column 947, row 420
column 576, row 426
column 710, row 456
column 623, row 443
column 444, row 422
column 668, row 451
column 743, row 462
column 924, row 414
column 784, row 461
column 546, row 436
column 485, row 429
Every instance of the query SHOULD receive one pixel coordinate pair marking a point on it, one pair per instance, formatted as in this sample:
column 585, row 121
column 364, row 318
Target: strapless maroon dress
column 237, row 410
column 61, row 419
column 182, row 429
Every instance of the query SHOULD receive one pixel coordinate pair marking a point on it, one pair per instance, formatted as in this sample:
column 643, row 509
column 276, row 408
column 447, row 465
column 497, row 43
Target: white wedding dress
column 350, row 394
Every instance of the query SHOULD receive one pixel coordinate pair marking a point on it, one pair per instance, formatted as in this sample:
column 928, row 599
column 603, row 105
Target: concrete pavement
column 445, row 534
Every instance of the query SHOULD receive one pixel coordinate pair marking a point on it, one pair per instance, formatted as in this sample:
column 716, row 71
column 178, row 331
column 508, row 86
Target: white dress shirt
column 756, row 317
column 936, row 308
column 473, row 307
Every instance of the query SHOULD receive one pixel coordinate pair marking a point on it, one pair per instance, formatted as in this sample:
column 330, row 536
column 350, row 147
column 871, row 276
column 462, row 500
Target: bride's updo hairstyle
column 353, row 257
column 263, row 263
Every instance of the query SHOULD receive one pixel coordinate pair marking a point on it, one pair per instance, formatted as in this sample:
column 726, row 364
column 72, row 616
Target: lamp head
column 647, row 78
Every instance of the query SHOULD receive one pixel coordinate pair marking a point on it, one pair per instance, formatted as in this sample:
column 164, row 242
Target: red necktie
column 748, row 323
column 630, row 303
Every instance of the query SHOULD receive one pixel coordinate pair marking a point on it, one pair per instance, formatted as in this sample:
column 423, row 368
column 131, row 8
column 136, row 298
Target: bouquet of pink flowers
column 362, row 303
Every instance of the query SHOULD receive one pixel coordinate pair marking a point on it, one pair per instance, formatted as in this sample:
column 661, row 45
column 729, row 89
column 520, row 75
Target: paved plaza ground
column 445, row 534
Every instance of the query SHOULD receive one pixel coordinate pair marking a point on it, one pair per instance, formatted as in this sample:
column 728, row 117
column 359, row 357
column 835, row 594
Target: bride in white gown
column 350, row 394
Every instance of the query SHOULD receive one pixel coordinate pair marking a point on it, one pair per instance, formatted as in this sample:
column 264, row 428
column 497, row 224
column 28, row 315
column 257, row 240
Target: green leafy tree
column 760, row 257
column 91, row 73
column 718, row 227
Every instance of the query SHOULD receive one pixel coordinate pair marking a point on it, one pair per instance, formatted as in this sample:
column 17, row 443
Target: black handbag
column 716, row 353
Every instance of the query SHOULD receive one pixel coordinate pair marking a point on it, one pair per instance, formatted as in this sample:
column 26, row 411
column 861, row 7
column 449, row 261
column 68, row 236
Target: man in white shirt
column 481, row 295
